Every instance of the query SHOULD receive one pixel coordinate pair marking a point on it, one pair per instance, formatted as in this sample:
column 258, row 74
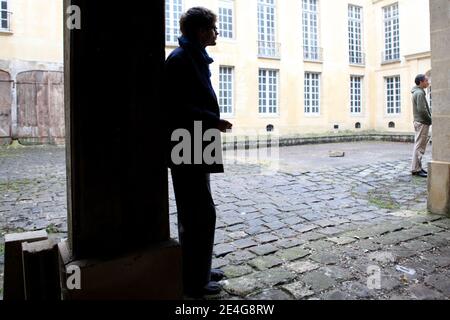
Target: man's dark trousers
column 196, row 225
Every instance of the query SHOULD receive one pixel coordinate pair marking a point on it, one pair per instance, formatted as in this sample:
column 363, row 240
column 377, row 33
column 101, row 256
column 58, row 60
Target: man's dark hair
column 420, row 78
column 196, row 19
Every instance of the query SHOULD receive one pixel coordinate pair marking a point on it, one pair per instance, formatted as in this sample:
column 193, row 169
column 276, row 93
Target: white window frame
column 355, row 34
column 173, row 20
column 356, row 94
column 310, row 30
column 312, row 93
column 267, row 90
column 391, row 33
column 226, row 19
column 393, row 95
column 267, row 29
column 226, row 90
column 5, row 12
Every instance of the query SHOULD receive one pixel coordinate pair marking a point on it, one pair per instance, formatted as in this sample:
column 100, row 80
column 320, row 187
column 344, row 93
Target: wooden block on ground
column 153, row 273
column 13, row 288
column 41, row 271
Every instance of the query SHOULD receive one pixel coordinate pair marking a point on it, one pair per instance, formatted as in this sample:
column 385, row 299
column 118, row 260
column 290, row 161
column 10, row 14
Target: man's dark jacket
column 189, row 97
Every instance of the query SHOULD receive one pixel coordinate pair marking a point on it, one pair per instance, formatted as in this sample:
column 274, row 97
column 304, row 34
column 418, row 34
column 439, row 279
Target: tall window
column 355, row 25
column 4, row 15
column 268, row 91
column 391, row 33
column 174, row 10
column 267, row 28
column 226, row 84
column 356, row 94
column 226, row 10
column 393, row 95
column 312, row 93
column 310, row 21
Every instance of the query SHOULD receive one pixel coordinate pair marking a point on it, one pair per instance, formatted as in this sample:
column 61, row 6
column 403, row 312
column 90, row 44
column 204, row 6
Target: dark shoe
column 424, row 171
column 217, row 274
column 212, row 288
column 420, row 174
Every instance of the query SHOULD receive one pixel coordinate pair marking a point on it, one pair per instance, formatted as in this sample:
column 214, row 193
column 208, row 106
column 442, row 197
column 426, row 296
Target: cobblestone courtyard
column 313, row 230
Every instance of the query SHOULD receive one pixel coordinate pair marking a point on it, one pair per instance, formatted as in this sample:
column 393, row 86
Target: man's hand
column 224, row 125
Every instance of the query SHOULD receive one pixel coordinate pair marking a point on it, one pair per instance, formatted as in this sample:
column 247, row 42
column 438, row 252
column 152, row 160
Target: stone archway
column 5, row 106
column 40, row 107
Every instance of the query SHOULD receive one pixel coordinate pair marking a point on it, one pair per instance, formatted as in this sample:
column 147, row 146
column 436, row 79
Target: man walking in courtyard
column 193, row 109
column 422, row 123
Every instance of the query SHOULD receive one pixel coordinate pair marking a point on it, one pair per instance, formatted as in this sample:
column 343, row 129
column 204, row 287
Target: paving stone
column 299, row 290
column 302, row 266
column 382, row 257
column 303, row 228
column 311, row 236
column 336, row 295
column 318, row 281
column 338, row 273
column 237, row 227
column 327, row 258
column 266, row 262
column 288, row 243
column 237, row 235
column 319, row 245
column 444, row 223
column 401, row 252
column 240, row 256
column 244, row 243
column 255, row 222
column 271, row 295
column 242, row 286
column 436, row 240
column 222, row 250
column 230, row 220
column 273, row 277
column 217, row 263
column 325, row 223
column 237, row 271
column 292, row 254
column 265, row 249
column 358, row 290
column 256, row 230
column 331, row 231
column 421, row 292
column 266, row 238
column 391, row 280
column 368, row 245
column 342, row 240
column 275, row 225
column 293, row 221
column 417, row 245
column 440, row 282
column 437, row 260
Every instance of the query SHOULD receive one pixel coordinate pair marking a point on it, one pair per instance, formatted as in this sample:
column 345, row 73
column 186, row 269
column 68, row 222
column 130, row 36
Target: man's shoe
column 217, row 275
column 212, row 288
column 420, row 174
column 424, row 171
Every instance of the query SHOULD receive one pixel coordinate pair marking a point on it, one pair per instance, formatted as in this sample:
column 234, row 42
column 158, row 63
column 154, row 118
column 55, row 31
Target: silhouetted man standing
column 422, row 123
column 194, row 123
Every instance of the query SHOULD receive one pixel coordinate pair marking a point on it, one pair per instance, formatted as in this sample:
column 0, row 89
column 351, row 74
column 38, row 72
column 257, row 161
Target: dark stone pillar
column 117, row 179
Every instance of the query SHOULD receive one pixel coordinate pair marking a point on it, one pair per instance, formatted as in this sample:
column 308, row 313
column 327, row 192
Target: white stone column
column 439, row 175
